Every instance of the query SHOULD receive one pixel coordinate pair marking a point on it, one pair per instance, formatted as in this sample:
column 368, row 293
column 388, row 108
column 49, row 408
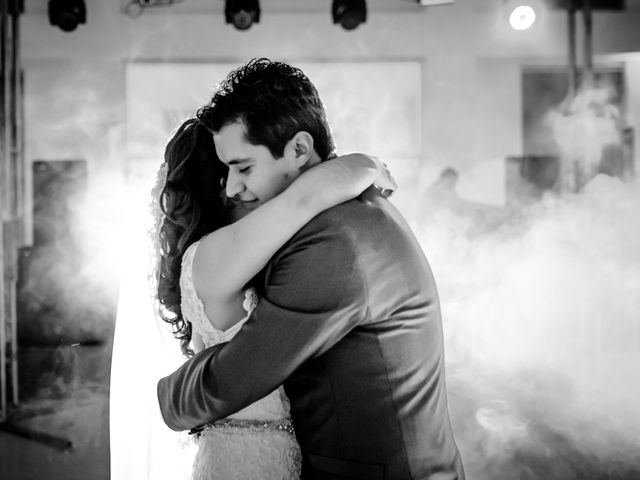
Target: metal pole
column 590, row 167
column 17, row 164
column 5, row 139
column 573, row 62
column 13, row 314
column 3, row 331
column 4, row 197
column 587, row 16
column 567, row 164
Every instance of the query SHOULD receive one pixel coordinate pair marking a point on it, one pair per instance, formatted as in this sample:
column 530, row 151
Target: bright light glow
column 154, row 451
column 522, row 17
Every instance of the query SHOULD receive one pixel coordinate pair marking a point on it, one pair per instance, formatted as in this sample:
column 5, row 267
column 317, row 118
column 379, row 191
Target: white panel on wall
column 159, row 97
column 372, row 106
column 367, row 110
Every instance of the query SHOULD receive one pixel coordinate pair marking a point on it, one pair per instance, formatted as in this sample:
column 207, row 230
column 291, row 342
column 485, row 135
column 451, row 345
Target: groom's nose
column 235, row 185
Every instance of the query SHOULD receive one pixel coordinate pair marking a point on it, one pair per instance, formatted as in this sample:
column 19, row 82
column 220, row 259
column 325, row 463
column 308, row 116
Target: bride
column 209, row 251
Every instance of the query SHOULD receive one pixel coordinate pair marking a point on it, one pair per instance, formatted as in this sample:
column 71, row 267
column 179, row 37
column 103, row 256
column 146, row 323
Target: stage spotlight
column 242, row 13
column 349, row 13
column 522, row 17
column 67, row 14
column 523, row 14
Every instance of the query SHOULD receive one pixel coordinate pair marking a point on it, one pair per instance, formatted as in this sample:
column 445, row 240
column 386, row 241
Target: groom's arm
column 314, row 295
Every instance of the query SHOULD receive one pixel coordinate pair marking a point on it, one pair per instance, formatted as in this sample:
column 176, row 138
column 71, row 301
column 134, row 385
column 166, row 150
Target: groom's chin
column 240, row 210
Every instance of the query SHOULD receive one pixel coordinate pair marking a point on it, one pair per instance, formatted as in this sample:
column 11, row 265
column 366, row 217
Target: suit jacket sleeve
column 314, row 294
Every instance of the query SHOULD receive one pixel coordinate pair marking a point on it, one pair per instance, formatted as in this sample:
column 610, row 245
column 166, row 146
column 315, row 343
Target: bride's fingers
column 390, row 183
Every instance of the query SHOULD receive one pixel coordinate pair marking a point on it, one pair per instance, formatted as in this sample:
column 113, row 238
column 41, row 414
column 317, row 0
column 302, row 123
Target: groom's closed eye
column 243, row 165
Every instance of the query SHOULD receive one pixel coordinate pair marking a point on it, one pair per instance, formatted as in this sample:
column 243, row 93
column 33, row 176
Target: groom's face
column 255, row 176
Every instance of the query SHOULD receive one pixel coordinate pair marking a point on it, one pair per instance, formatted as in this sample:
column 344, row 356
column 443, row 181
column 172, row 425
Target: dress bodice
column 273, row 406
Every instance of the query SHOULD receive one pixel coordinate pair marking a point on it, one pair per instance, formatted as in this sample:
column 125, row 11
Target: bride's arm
column 231, row 256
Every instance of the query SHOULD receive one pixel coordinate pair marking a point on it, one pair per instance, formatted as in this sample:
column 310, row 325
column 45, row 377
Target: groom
column 348, row 317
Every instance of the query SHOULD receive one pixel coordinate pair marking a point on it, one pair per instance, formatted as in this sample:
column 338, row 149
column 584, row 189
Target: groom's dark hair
column 274, row 100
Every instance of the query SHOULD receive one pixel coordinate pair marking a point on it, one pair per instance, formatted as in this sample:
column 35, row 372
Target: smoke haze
column 542, row 328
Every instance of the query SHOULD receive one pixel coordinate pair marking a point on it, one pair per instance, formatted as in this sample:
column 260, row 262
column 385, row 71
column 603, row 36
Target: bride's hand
column 384, row 181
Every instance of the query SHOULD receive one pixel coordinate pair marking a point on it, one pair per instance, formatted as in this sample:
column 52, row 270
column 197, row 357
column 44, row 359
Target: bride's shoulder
column 211, row 245
column 190, row 252
column 205, row 240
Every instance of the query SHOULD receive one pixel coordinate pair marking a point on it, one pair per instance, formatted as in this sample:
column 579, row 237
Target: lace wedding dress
column 255, row 443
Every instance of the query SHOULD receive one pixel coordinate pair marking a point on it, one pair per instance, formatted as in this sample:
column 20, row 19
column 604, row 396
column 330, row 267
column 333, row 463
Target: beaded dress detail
column 258, row 441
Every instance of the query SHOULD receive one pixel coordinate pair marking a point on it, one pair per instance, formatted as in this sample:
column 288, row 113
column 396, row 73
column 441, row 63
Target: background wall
column 471, row 67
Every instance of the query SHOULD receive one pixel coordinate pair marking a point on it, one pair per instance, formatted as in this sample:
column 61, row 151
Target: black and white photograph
column 320, row 239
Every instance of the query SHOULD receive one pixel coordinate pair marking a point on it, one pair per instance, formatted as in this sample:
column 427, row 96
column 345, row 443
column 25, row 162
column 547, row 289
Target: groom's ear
column 300, row 149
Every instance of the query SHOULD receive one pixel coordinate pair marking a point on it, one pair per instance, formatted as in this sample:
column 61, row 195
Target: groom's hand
column 181, row 407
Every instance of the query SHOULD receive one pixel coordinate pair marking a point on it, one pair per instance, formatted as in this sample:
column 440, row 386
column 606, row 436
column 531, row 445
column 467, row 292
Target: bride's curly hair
column 192, row 203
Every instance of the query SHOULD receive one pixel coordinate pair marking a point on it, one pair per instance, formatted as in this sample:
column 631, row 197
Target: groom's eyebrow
column 237, row 161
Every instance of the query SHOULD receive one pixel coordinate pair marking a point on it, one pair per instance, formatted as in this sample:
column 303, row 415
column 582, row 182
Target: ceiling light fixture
column 242, row 13
column 67, row 14
column 349, row 13
column 522, row 17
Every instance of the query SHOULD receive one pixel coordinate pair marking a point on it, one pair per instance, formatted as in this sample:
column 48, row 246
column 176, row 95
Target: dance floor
column 72, row 413
column 61, row 430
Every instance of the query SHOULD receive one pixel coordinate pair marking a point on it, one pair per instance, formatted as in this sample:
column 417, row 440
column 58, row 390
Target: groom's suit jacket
column 349, row 321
